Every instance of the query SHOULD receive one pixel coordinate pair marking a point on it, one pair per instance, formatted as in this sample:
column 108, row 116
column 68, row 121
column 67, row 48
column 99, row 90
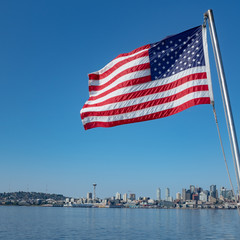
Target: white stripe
column 148, row 85
column 115, row 61
column 146, row 98
column 127, row 77
column 125, row 66
column 146, row 111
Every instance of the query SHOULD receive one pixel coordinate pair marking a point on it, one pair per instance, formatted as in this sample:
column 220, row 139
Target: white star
column 180, row 47
column 192, row 46
column 176, row 67
column 167, row 62
column 163, row 59
column 185, row 63
column 171, row 49
column 184, row 42
column 192, row 40
column 189, row 65
column 167, row 54
column 162, row 43
column 155, row 69
column 163, row 51
column 197, row 55
column 154, row 52
column 176, row 52
column 197, row 48
column 164, row 75
column 197, row 41
column 167, row 46
column 188, row 37
column 155, row 77
column 180, row 62
column 197, row 34
column 175, row 45
column 158, row 48
column 194, row 60
column 188, row 45
column 170, row 41
column 184, row 56
column 188, row 51
column 155, row 60
column 181, row 69
column 163, row 67
column 171, row 57
column 189, row 58
column 184, row 50
column 198, row 62
column 168, row 70
column 159, row 72
column 159, row 55
column 173, row 72
column 179, row 40
column 159, row 64
column 193, row 53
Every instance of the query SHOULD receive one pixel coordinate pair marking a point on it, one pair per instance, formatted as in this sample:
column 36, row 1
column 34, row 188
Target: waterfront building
column 159, row 194
column 132, row 196
column 203, row 196
column 118, row 196
column 89, row 195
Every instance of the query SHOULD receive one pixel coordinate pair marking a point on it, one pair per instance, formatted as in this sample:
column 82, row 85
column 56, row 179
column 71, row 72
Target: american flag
column 153, row 81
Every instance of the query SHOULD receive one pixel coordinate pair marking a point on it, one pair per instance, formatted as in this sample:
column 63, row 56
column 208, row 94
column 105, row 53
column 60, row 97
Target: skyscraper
column 178, row 196
column 213, row 191
column 118, row 196
column 167, row 194
column 184, row 194
column 159, row 194
column 125, row 197
column 89, row 195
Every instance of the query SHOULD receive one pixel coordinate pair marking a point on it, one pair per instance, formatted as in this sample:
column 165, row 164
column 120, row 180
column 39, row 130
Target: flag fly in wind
column 153, row 81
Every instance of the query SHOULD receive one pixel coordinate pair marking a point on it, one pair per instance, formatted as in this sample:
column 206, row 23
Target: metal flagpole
column 225, row 96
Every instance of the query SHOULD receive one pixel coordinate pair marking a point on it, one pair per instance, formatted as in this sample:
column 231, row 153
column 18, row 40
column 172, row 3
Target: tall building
column 125, row 197
column 188, row 195
column 118, row 196
column 132, row 196
column 184, row 194
column 213, row 191
column 89, row 195
column 159, row 194
column 192, row 189
column 178, row 196
column 167, row 194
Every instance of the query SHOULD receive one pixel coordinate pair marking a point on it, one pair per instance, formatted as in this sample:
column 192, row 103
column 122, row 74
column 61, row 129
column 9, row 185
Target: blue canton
column 177, row 53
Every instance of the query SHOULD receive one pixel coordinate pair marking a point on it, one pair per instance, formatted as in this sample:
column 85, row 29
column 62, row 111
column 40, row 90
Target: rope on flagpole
column 224, row 156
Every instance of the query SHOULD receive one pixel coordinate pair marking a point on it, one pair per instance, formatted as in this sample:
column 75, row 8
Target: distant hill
column 31, row 195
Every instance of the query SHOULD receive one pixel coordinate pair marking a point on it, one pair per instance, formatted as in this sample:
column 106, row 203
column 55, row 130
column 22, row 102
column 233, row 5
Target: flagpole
column 225, row 95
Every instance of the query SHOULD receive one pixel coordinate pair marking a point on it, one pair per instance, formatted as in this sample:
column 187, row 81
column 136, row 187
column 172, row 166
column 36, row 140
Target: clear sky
column 47, row 48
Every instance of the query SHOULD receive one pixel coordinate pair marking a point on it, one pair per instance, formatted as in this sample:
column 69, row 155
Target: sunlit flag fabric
column 153, row 81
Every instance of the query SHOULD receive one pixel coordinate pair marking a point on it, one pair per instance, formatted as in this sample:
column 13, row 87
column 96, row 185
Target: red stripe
column 152, row 116
column 141, row 93
column 134, row 51
column 126, row 71
column 148, row 104
column 94, row 76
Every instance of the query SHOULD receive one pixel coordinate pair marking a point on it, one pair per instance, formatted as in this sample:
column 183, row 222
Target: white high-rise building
column 89, row 195
column 118, row 196
column 159, row 194
column 125, row 197
column 178, row 196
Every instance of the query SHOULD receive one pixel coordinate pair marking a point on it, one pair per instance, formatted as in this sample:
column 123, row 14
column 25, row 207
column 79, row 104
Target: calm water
column 21, row 223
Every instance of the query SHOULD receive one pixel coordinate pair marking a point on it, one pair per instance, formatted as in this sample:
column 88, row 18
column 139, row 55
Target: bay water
column 22, row 223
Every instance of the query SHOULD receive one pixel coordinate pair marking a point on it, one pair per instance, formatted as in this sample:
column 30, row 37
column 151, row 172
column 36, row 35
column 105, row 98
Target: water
column 22, row 223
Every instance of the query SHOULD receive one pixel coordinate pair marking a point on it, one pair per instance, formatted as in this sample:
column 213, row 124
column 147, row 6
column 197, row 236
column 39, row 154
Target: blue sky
column 48, row 48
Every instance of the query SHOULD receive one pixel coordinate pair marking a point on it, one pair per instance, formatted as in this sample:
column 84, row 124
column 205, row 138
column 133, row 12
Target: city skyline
column 48, row 48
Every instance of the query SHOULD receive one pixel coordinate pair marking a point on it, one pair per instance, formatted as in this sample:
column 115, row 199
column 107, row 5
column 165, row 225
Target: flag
column 153, row 81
